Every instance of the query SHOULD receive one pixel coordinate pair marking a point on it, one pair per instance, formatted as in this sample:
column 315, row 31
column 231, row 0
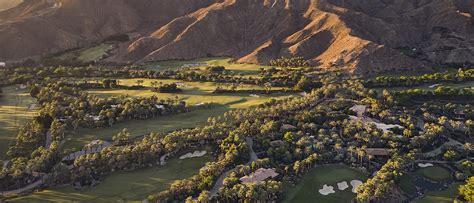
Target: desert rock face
column 360, row 36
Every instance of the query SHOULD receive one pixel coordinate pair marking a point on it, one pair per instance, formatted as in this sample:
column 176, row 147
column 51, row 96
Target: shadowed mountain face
column 362, row 36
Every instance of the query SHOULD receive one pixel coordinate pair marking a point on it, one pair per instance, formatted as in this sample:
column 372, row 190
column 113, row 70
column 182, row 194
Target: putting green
column 14, row 113
column 307, row 189
column 124, row 186
column 436, row 173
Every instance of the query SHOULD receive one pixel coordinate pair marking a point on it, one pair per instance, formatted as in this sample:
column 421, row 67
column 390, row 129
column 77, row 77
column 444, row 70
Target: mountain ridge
column 362, row 37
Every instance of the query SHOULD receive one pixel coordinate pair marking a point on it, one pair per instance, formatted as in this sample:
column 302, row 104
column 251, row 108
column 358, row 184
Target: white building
column 3, row 64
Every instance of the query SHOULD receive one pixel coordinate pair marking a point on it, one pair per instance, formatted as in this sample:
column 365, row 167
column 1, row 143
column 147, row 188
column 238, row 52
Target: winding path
column 26, row 188
column 220, row 180
column 439, row 150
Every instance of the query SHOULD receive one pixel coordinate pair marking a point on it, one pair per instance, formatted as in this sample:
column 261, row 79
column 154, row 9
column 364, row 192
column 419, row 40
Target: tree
column 306, row 84
column 122, row 138
column 140, row 82
column 466, row 192
column 35, row 90
column 204, row 197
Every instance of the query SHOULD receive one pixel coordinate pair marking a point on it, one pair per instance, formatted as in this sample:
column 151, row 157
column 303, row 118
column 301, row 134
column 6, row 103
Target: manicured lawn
column 307, row 189
column 246, row 69
column 195, row 118
column 407, row 185
column 436, row 173
column 85, row 55
column 124, row 186
column 14, row 113
column 193, row 93
column 445, row 196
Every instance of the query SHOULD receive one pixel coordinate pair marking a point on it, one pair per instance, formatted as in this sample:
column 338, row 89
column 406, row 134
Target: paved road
column 220, row 180
column 49, row 139
column 439, row 150
column 91, row 150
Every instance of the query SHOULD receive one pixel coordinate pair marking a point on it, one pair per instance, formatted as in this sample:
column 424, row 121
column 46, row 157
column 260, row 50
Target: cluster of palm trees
column 380, row 186
column 293, row 62
column 64, row 107
column 431, row 78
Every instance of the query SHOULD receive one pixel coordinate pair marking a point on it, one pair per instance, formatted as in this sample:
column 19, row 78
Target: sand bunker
column 327, row 190
column 355, row 184
column 342, row 185
column 386, row 127
column 425, row 165
column 194, row 154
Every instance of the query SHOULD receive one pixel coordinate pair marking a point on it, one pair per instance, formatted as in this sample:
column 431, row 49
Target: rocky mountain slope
column 7, row 4
column 361, row 36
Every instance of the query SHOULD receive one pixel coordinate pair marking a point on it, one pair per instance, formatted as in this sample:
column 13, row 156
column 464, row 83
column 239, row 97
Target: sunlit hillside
column 6, row 4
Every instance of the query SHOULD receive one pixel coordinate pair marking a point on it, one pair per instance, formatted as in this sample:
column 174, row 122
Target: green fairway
column 193, row 93
column 307, row 189
column 79, row 138
column 124, row 186
column 14, row 113
column 245, row 69
column 85, row 55
column 445, row 196
column 436, row 173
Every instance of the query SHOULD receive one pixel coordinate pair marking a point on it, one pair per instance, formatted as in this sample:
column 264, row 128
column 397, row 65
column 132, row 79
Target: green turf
column 124, row 186
column 445, row 196
column 407, row 185
column 14, row 112
column 82, row 136
column 245, row 69
column 193, row 93
column 85, row 55
column 436, row 173
column 307, row 189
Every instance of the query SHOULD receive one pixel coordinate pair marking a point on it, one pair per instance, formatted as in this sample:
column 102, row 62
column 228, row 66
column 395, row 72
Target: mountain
column 362, row 36
column 7, row 4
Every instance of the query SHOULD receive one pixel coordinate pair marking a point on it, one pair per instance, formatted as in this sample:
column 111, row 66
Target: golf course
column 307, row 189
